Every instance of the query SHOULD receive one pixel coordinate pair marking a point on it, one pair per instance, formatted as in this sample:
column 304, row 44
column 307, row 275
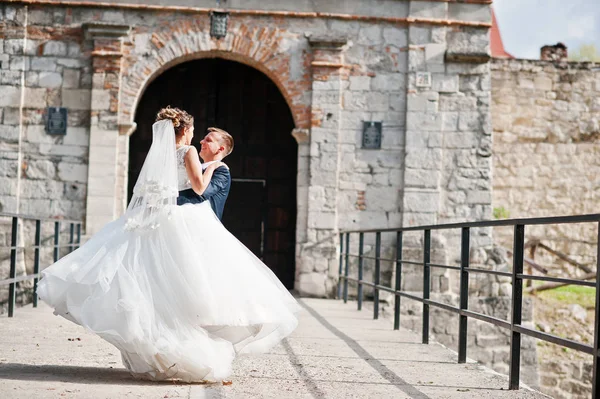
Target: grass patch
column 569, row 294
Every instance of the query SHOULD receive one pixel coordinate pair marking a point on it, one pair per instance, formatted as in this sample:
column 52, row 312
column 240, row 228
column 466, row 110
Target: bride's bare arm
column 199, row 180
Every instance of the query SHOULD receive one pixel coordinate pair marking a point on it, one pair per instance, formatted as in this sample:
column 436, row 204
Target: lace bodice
column 183, row 182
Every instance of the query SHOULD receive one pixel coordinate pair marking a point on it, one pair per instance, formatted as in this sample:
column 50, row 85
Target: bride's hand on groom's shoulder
column 217, row 165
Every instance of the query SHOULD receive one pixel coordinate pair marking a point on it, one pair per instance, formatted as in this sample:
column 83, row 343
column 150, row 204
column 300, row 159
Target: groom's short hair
column 225, row 138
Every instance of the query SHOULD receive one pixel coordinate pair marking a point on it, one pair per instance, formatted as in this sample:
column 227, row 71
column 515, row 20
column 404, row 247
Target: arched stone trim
column 283, row 56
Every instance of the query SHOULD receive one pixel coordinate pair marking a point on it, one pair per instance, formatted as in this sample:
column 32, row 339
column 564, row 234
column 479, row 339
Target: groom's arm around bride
column 215, row 146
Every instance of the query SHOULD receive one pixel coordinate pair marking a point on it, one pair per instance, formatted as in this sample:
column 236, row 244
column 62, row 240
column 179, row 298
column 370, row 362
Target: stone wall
column 38, row 70
column 546, row 120
column 335, row 72
column 567, row 379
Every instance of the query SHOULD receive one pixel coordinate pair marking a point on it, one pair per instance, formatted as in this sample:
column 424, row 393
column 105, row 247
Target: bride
column 168, row 285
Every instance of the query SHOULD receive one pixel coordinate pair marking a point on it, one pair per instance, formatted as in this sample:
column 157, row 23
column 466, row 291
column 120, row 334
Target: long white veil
column 156, row 187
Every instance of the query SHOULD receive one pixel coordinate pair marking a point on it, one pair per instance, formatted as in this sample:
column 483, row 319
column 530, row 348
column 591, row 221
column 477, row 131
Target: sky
column 527, row 25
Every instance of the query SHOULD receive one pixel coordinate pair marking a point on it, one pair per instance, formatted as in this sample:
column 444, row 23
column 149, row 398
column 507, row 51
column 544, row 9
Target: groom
column 215, row 146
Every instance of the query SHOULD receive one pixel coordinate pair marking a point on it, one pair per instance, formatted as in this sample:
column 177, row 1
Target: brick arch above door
column 281, row 55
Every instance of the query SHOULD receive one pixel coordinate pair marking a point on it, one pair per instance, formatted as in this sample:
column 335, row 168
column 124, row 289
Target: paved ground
column 337, row 352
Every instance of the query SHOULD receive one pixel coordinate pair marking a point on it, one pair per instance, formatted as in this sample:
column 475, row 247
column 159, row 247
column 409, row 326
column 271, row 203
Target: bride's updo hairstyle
column 181, row 119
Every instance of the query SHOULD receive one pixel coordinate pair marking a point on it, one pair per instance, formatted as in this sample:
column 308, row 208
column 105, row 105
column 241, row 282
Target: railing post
column 398, row 280
column 377, row 275
column 71, row 236
column 596, row 375
column 36, row 260
column 78, row 235
column 517, row 306
column 464, row 293
column 339, row 293
column 12, row 288
column 347, row 267
column 361, row 244
column 426, row 283
column 56, row 241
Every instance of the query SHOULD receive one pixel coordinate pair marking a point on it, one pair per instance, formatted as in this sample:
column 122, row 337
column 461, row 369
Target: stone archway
column 282, row 56
column 290, row 60
column 261, row 209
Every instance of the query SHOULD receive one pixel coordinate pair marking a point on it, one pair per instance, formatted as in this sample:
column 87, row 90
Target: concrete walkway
column 337, row 352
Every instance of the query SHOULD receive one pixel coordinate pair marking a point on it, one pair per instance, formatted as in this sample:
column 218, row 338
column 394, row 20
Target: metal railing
column 517, row 277
column 15, row 246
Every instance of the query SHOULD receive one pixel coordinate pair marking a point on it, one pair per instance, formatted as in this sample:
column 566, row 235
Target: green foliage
column 570, row 294
column 585, row 52
column 501, row 213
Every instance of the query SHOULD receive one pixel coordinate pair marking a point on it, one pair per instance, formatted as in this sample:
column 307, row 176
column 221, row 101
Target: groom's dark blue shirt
column 216, row 192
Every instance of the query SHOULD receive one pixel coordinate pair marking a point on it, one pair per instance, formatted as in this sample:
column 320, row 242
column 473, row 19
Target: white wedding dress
column 168, row 285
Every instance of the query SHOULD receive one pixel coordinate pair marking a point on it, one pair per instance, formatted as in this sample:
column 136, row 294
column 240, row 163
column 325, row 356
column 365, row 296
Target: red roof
column 498, row 50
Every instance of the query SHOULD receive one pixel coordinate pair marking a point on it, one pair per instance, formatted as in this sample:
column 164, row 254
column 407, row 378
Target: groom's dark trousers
column 216, row 192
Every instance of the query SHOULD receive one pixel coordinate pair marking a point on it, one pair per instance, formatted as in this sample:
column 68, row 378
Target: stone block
column 397, row 103
column 40, row 169
column 416, row 62
column 470, row 12
column 76, row 98
column 468, row 83
column 418, row 35
column 395, row 37
column 461, row 140
column 54, row 48
column 72, row 62
column 13, row 46
column 32, row 79
column 47, row 64
column 469, row 121
column 38, row 207
column 50, row 79
column 424, row 158
column 4, row 62
column 8, row 186
column 11, row 116
column 428, row 9
column 321, row 220
column 320, row 98
column 479, row 197
column 543, row 83
column 419, row 178
column 9, row 133
column 74, row 50
column 434, row 53
column 35, row 98
column 360, row 83
column 425, row 121
column 382, row 199
column 449, row 121
column 78, row 136
column 34, row 189
column 468, row 41
column 389, row 82
column 444, row 83
column 8, row 168
column 101, row 100
column 417, row 139
column 71, row 78
column 103, row 156
column 421, row 201
column 311, row 284
column 371, row 101
column 19, row 63
column 370, row 35
column 426, row 101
